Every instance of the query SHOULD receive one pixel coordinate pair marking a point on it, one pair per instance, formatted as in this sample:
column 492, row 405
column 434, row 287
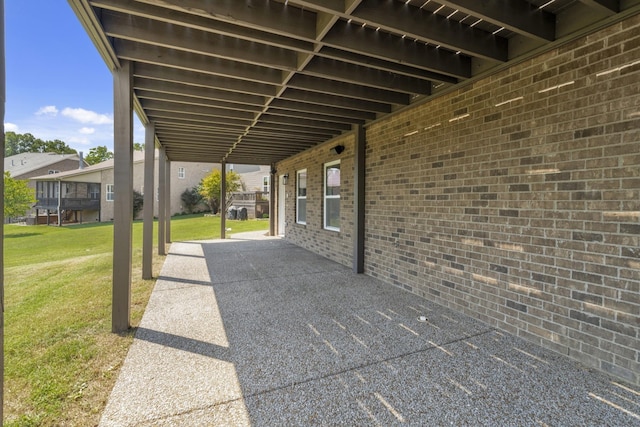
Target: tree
column 18, row 197
column 210, row 186
column 57, row 146
column 138, row 202
column 98, row 154
column 101, row 153
column 190, row 198
column 16, row 143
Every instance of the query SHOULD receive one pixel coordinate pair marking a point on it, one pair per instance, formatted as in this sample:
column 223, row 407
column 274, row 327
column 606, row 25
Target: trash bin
column 233, row 213
column 242, row 214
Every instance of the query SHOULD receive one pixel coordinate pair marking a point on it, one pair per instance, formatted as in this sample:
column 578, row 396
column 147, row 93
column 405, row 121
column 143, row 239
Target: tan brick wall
column 517, row 201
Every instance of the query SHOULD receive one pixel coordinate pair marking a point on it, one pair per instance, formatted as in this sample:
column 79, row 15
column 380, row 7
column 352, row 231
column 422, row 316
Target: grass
column 61, row 359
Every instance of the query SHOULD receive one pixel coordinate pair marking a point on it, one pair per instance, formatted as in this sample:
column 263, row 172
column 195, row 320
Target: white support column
column 123, row 196
column 167, row 201
column 147, row 226
column 223, row 200
column 162, row 179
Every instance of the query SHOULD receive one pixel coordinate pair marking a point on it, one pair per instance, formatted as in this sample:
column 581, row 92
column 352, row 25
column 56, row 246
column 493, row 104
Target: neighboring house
column 255, row 194
column 28, row 165
column 87, row 194
column 254, row 177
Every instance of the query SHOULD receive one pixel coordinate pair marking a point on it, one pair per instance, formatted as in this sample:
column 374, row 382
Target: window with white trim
column 110, row 192
column 301, row 196
column 265, row 183
column 181, row 173
column 332, row 196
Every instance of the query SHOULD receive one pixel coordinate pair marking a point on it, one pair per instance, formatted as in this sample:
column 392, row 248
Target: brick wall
column 515, row 200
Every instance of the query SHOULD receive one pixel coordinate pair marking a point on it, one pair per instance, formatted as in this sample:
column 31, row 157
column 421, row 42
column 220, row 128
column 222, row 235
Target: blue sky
column 58, row 86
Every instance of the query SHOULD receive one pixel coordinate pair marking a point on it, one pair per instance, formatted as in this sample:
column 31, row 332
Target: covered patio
column 485, row 157
column 263, row 332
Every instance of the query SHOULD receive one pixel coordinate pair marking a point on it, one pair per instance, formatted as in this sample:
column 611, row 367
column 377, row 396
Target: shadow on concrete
column 280, row 336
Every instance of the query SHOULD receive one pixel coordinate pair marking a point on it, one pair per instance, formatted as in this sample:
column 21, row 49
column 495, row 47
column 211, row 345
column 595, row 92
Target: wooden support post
column 2, row 108
column 358, row 199
column 123, row 197
column 167, row 203
column 147, row 225
column 272, row 200
column 162, row 167
column 223, row 200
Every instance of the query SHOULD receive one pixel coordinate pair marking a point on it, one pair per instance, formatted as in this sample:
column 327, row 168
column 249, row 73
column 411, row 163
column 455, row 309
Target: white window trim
column 110, row 193
column 325, row 197
column 181, row 173
column 298, row 198
column 266, row 184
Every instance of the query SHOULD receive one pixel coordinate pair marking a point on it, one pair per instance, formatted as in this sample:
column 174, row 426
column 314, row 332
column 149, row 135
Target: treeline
column 16, row 143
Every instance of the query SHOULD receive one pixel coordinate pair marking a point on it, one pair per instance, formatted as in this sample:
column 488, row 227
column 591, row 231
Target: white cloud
column 87, row 131
column 85, row 116
column 10, row 127
column 49, row 110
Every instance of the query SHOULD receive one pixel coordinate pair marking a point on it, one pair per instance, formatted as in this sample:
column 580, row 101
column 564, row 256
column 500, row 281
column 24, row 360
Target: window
column 40, row 190
column 94, row 191
column 332, row 196
column 181, row 173
column 301, row 196
column 47, row 190
column 52, row 171
column 265, row 184
column 110, row 191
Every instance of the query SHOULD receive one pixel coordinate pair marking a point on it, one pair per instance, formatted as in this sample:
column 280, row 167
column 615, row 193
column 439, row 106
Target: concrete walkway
column 262, row 332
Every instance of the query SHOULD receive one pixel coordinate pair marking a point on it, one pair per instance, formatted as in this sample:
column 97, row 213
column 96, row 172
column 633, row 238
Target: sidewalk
column 261, row 332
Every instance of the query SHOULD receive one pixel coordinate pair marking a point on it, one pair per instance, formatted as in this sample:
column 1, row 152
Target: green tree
column 18, row 197
column 138, row 203
column 11, row 144
column 15, row 143
column 210, row 186
column 101, row 153
column 190, row 198
column 98, row 154
column 57, row 146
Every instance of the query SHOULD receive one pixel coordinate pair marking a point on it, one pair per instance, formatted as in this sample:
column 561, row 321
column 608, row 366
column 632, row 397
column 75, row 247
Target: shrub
column 191, row 198
column 138, row 201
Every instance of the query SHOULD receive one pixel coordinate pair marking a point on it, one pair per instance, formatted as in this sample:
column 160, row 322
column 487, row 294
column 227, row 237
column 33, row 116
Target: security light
column 337, row 149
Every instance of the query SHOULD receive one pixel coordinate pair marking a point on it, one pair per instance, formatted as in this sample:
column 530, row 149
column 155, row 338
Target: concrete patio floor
column 262, row 332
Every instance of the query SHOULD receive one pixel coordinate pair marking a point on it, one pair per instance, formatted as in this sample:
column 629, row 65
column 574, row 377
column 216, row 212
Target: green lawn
column 61, row 359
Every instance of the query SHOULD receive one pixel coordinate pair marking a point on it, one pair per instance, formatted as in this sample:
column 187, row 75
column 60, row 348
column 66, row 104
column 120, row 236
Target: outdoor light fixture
column 285, row 179
column 337, row 149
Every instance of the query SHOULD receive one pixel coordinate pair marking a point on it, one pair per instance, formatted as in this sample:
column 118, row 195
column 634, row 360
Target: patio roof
column 258, row 81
